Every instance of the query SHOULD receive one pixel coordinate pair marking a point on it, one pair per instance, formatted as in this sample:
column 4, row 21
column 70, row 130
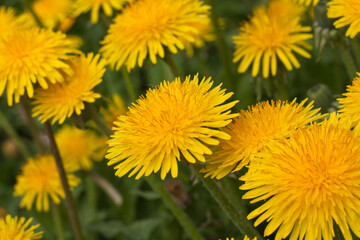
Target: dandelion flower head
column 82, row 6
column 80, row 147
column 32, row 56
column 61, row 100
column 269, row 36
column 116, row 108
column 18, row 229
column 8, row 20
column 348, row 12
column 51, row 13
column 145, row 27
column 172, row 119
column 307, row 182
column 254, row 130
column 39, row 180
column 349, row 104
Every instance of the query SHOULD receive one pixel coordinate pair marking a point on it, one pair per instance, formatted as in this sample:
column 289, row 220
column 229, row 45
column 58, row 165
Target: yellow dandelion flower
column 80, row 147
column 145, row 27
column 307, row 2
column 348, row 12
column 116, row 108
column 51, row 13
column 32, row 56
column 8, row 20
column 82, row 6
column 40, row 180
column 270, row 36
column 349, row 104
column 174, row 118
column 254, row 130
column 307, row 183
column 18, row 229
column 61, row 100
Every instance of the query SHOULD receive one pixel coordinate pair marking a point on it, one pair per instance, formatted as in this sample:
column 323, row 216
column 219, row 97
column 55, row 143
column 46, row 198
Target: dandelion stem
column 10, row 131
column 68, row 197
column 170, row 61
column 156, row 184
column 98, row 120
column 345, row 53
column 57, row 221
column 29, row 121
column 129, row 86
column 240, row 220
column 107, row 187
column 181, row 216
column 223, row 49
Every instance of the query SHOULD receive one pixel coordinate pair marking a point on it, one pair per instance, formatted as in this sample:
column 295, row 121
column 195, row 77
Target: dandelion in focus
column 18, row 229
column 82, row 6
column 32, row 56
column 254, row 130
column 39, row 181
column 269, row 36
column 61, row 100
column 348, row 12
column 146, row 27
column 172, row 119
column 301, row 178
column 80, row 147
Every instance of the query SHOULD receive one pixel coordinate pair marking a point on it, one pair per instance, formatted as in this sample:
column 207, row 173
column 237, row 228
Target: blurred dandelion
column 172, row 119
column 39, row 180
column 18, row 229
column 61, row 100
column 80, row 147
column 115, row 109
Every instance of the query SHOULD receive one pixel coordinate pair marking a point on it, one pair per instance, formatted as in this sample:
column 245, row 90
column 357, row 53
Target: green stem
column 29, row 121
column 10, row 131
column 98, row 120
column 170, row 61
column 75, row 224
column 355, row 43
column 129, row 86
column 223, row 49
column 347, row 58
column 181, row 216
column 57, row 221
column 240, row 220
column 107, row 187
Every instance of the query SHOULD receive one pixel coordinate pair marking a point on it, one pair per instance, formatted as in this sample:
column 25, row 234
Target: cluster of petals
column 254, row 130
column 61, row 100
column 18, row 229
column 348, row 13
column 145, row 28
column 308, row 182
column 39, row 182
column 270, row 35
column 30, row 56
column 176, row 118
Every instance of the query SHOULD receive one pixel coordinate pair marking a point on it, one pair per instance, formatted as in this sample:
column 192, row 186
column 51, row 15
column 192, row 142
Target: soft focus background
column 142, row 215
